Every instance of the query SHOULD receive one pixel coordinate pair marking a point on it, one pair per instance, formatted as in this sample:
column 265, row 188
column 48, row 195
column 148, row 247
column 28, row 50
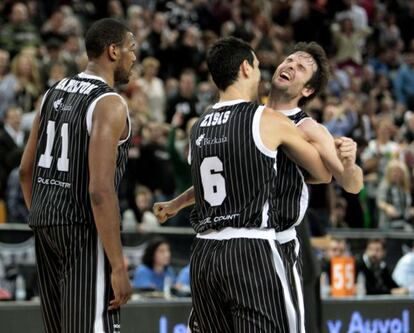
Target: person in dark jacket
column 378, row 279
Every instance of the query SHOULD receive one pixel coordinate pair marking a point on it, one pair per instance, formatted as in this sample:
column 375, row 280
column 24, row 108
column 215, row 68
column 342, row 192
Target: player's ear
column 307, row 91
column 245, row 68
column 113, row 51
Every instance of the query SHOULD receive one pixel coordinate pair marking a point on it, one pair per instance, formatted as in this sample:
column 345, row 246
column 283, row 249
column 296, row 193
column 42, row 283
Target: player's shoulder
column 112, row 107
column 310, row 124
column 273, row 117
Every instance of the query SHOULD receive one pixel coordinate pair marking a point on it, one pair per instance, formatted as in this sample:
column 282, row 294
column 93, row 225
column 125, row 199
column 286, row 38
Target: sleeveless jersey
column 60, row 194
column 233, row 173
column 290, row 200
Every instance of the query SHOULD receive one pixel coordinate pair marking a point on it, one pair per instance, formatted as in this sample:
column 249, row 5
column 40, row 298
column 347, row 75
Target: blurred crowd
column 370, row 95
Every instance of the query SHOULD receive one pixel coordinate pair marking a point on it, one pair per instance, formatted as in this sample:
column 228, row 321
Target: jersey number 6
column 214, row 184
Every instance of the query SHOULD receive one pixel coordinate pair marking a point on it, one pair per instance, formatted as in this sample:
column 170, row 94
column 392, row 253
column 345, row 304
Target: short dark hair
column 149, row 253
column 319, row 79
column 103, row 33
column 224, row 59
column 376, row 241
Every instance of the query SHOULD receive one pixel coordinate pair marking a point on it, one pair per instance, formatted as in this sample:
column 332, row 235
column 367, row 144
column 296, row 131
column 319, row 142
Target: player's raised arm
column 109, row 123
column 276, row 129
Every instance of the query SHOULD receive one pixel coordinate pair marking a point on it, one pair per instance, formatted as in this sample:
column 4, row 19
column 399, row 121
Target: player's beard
column 280, row 93
column 121, row 76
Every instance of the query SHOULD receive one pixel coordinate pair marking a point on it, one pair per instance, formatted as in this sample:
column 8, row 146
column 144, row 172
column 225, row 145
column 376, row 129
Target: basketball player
column 77, row 152
column 289, row 83
column 237, row 276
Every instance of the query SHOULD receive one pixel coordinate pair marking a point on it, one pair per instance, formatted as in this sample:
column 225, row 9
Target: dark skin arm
column 167, row 209
column 108, row 127
column 27, row 163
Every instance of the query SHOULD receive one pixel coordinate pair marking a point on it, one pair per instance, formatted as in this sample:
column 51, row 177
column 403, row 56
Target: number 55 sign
column 342, row 276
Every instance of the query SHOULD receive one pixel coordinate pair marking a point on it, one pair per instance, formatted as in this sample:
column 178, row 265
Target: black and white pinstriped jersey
column 290, row 200
column 60, row 193
column 233, row 173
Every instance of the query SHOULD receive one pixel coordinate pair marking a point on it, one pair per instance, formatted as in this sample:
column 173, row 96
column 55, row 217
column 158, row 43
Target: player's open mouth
column 285, row 76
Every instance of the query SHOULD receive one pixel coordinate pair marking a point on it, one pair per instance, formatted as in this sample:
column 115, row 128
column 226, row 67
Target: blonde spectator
column 28, row 86
column 153, row 87
column 394, row 198
column 375, row 158
column 7, row 83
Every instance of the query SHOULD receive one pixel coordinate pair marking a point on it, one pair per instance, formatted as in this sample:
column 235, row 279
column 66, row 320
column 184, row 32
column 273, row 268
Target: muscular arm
column 276, row 129
column 109, row 120
column 342, row 167
column 27, row 162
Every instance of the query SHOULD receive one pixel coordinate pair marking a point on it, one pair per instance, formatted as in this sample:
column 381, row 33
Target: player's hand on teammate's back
column 165, row 210
column 121, row 286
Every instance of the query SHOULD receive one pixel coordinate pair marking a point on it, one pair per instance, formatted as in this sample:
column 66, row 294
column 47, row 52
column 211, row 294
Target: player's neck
column 94, row 68
column 233, row 93
column 277, row 102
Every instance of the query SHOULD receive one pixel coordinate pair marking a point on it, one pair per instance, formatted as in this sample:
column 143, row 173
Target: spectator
column 159, row 39
column 406, row 132
column 348, row 40
column 155, row 266
column 378, row 279
column 394, row 198
column 115, row 10
column 55, row 27
column 337, row 247
column 153, row 87
column 375, row 158
column 340, row 119
column 404, row 271
column 12, row 140
column 185, row 100
column 8, row 83
column 18, row 32
column 156, row 170
column 356, row 13
column 178, row 150
column 16, row 207
column 144, row 201
column 28, row 88
column 182, row 284
column 404, row 82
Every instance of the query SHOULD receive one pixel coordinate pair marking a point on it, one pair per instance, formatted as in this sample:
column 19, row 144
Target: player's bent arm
column 185, row 199
column 276, row 129
column 165, row 210
column 109, row 120
column 350, row 178
column 27, row 163
column 324, row 143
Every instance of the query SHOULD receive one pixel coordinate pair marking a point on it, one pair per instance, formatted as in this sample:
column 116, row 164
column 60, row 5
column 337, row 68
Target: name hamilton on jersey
column 75, row 86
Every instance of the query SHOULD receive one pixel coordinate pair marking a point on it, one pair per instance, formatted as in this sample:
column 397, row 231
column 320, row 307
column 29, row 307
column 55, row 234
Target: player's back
column 61, row 177
column 233, row 172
